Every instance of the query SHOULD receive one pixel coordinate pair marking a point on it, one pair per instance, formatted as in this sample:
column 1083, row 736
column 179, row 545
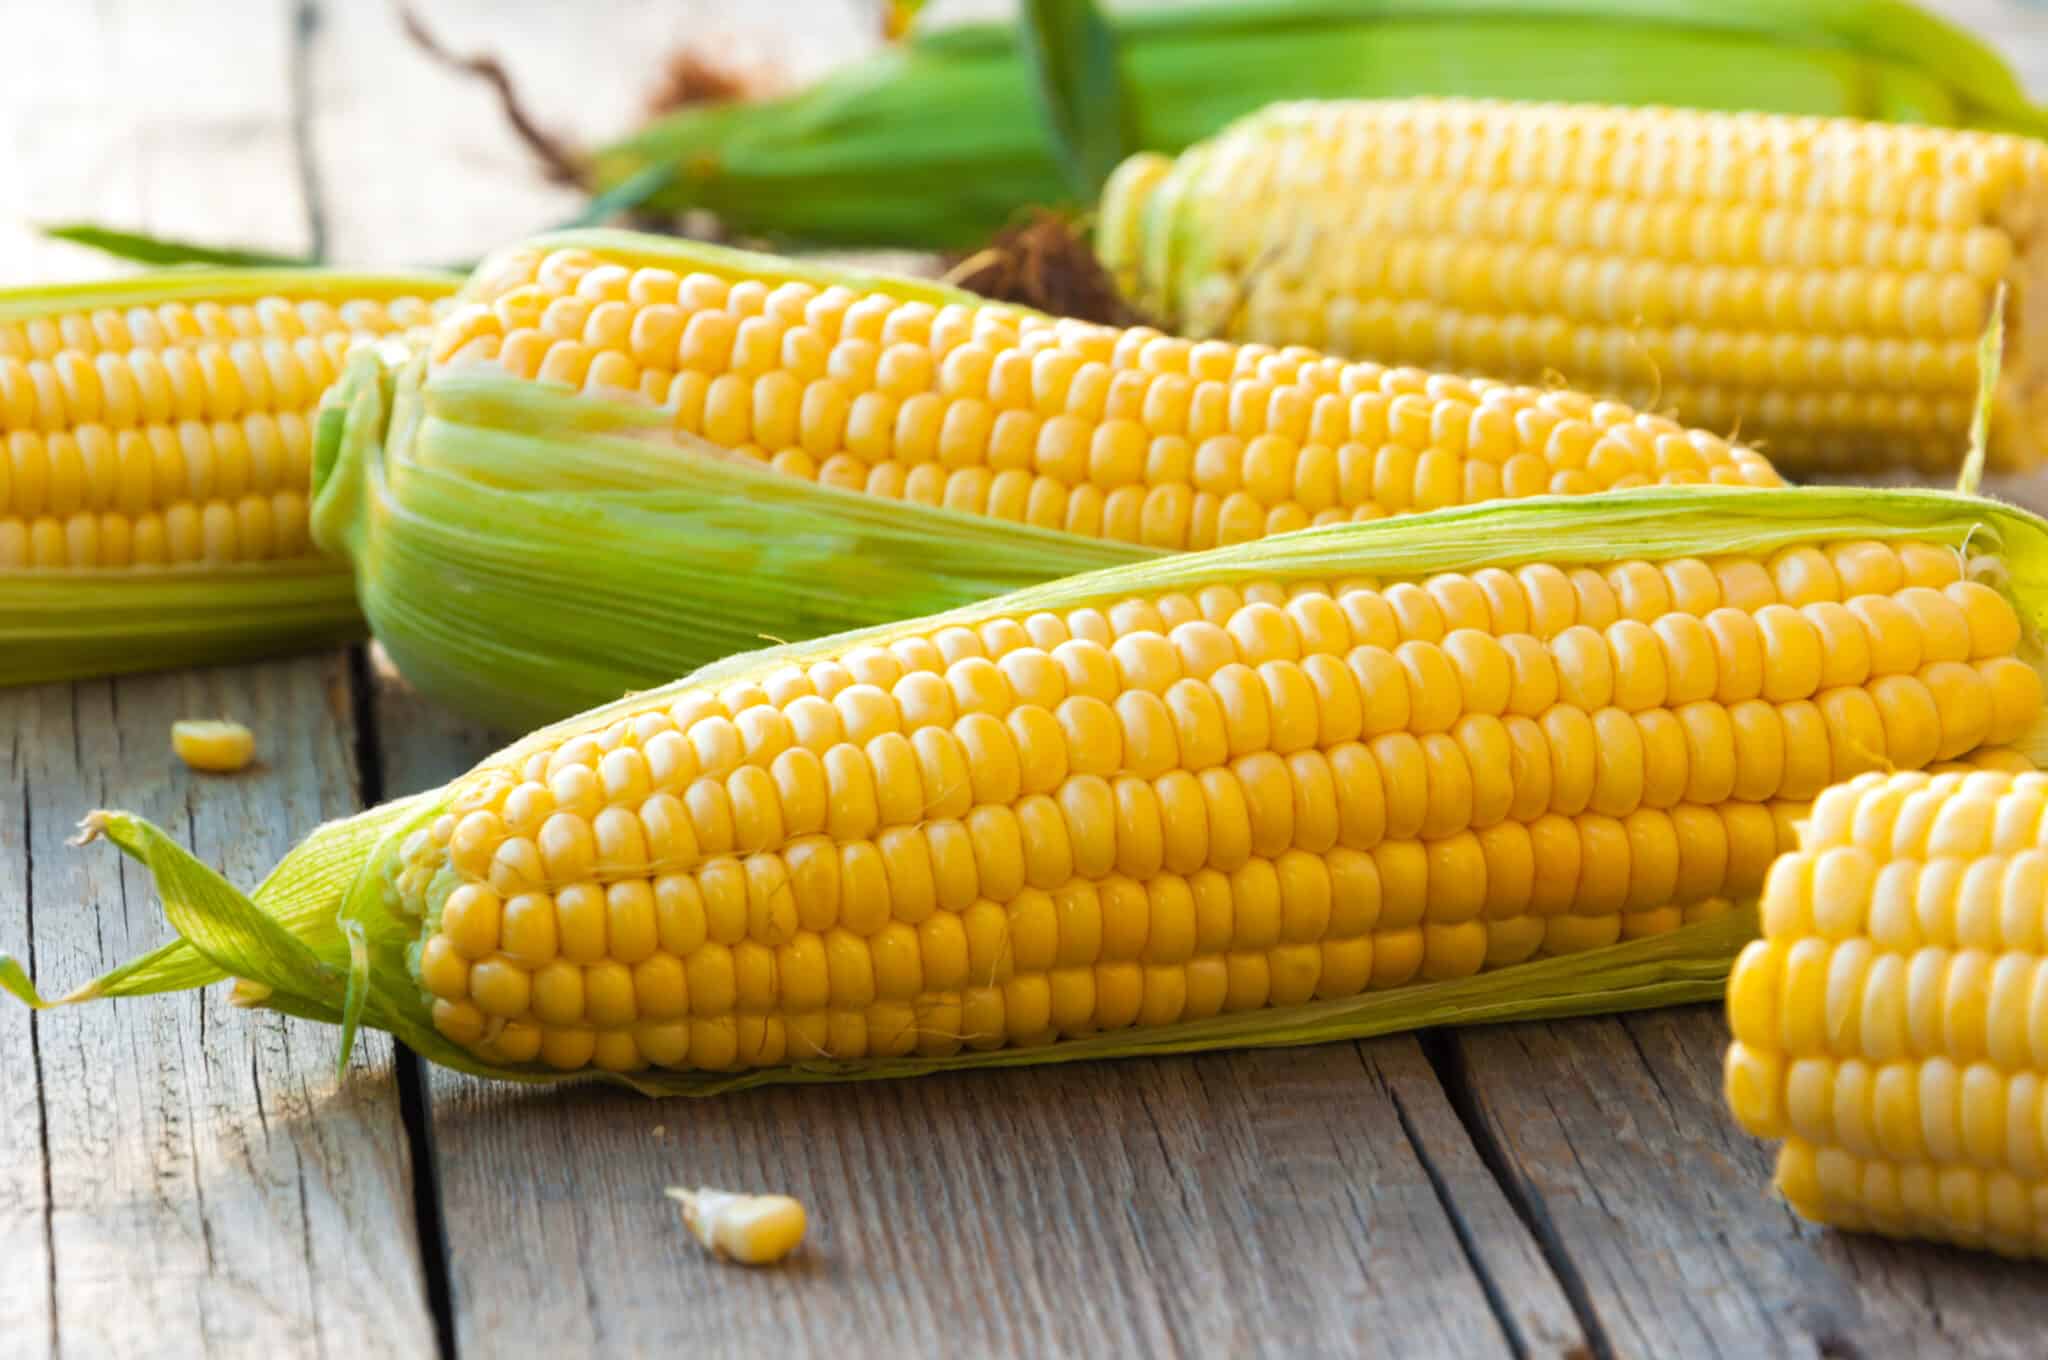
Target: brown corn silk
column 668, row 859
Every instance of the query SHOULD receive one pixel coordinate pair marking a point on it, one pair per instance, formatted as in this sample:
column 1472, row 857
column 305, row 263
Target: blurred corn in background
column 1819, row 284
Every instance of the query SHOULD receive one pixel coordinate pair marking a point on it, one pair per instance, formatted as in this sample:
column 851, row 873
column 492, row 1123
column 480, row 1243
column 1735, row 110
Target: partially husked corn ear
column 1038, row 825
column 1889, row 1026
column 166, row 422
column 1819, row 285
column 909, row 392
column 1515, row 761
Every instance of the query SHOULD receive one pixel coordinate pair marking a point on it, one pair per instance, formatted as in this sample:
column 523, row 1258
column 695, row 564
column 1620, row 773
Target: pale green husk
column 60, row 624
column 523, row 552
column 294, row 934
column 939, row 142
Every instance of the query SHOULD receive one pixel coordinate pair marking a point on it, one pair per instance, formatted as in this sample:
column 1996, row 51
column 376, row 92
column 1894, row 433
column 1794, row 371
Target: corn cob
column 155, row 460
column 1311, row 786
column 938, row 143
column 1889, row 1025
column 1818, row 284
column 1125, row 434
column 915, row 448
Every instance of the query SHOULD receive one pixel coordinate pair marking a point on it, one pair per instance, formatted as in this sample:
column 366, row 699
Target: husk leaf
column 935, row 143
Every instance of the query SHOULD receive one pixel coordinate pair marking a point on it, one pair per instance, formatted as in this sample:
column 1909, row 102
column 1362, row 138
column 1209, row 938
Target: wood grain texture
column 1277, row 1204
column 211, row 1189
column 176, row 1177
column 1614, row 1134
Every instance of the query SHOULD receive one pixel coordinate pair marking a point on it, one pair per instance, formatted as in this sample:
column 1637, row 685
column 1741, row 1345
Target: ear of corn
column 1889, row 1024
column 844, row 449
column 1818, row 284
column 1494, row 761
column 155, row 452
column 938, row 142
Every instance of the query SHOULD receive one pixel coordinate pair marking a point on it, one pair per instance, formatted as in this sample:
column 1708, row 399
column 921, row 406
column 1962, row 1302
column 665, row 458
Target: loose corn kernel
column 214, row 745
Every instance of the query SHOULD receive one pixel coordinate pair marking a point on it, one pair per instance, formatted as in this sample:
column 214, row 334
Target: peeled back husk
column 325, row 936
column 938, row 142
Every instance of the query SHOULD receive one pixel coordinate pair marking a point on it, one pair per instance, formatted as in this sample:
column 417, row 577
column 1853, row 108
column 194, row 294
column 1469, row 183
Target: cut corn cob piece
column 1818, row 284
column 1888, row 1027
column 1506, row 760
column 910, row 392
column 155, row 462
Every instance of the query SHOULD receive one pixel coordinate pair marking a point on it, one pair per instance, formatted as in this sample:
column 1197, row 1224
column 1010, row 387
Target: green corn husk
column 940, row 141
column 524, row 552
column 68, row 623
column 321, row 937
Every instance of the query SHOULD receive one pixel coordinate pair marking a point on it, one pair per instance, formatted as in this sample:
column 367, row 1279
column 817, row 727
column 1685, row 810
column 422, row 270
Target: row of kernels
column 1827, row 378
column 1584, row 287
column 848, row 1011
column 1950, row 1112
column 1188, row 790
column 108, row 330
column 1960, row 1204
column 1856, row 998
column 1918, row 626
column 1732, row 233
column 250, row 529
column 1989, row 811
column 209, row 382
column 1841, row 169
column 133, row 470
column 1027, row 1008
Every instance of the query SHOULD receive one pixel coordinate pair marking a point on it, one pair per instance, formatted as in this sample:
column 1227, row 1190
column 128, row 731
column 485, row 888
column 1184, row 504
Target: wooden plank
column 1279, row 1203
column 211, row 1186
column 177, row 1177
column 1614, row 1134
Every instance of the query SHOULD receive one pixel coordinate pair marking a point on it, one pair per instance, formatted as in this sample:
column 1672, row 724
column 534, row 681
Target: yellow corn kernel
column 214, row 745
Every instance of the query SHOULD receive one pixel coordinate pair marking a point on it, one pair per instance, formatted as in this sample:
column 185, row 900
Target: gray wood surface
column 179, row 1177
column 1614, row 1136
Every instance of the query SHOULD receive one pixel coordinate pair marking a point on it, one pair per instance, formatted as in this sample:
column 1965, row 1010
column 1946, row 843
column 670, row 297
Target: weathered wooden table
column 179, row 1178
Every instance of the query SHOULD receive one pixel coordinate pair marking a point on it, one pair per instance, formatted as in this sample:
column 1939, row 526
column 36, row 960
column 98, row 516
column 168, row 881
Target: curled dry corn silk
column 1818, row 283
column 938, row 141
column 1514, row 760
column 727, row 448
column 156, row 442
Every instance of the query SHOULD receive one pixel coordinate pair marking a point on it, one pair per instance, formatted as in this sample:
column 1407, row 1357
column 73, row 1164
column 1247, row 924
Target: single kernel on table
column 214, row 745
column 754, row 1230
